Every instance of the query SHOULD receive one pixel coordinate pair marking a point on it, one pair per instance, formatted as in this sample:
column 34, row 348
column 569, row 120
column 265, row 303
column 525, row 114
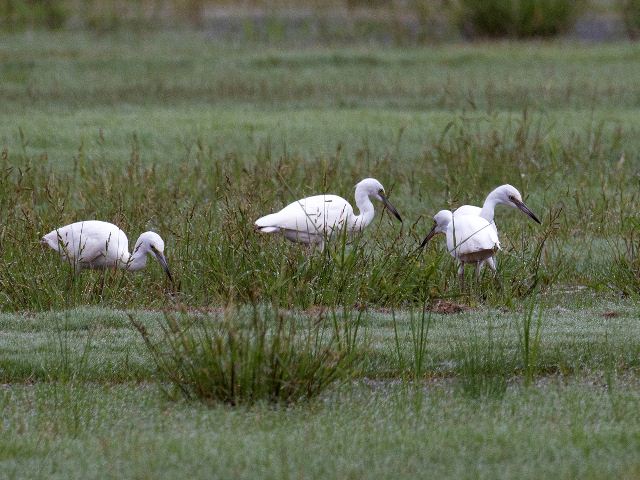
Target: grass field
column 536, row 376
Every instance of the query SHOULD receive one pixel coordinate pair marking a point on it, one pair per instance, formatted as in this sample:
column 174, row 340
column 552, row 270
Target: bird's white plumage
column 90, row 244
column 310, row 219
column 97, row 244
column 471, row 210
column 503, row 195
column 313, row 219
column 471, row 239
column 472, row 236
column 467, row 210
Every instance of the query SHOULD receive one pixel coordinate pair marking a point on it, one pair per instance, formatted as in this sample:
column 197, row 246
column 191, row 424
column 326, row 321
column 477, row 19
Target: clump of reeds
column 243, row 356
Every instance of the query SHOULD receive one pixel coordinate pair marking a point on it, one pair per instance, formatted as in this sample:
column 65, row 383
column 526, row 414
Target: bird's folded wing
column 474, row 234
column 311, row 214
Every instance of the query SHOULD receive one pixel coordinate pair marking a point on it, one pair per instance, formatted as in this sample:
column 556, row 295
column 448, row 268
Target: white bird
column 98, row 245
column 470, row 239
column 311, row 220
column 502, row 195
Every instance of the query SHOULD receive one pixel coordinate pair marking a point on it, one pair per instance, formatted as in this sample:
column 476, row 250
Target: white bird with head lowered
column 98, row 245
column 311, row 220
column 470, row 239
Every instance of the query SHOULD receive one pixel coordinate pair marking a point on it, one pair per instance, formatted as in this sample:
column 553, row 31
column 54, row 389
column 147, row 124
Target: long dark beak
column 391, row 208
column 429, row 236
column 163, row 261
column 526, row 210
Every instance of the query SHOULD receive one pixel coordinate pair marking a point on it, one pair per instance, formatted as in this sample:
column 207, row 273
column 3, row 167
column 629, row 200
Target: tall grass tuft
column 483, row 364
column 245, row 356
column 530, row 341
column 524, row 260
column 419, row 332
column 68, row 366
column 207, row 219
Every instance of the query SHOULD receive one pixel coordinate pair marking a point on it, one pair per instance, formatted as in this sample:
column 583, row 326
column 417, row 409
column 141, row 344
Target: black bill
column 526, row 210
column 390, row 207
column 163, row 261
column 429, row 236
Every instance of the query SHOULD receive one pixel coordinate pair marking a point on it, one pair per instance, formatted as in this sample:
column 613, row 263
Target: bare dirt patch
column 446, row 307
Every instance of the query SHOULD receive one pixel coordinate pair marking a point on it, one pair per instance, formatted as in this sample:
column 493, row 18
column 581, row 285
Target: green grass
column 103, row 416
column 196, row 139
column 101, row 345
column 68, row 71
column 366, row 432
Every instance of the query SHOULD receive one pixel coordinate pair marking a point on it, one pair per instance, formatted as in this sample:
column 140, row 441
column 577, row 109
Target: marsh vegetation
column 537, row 372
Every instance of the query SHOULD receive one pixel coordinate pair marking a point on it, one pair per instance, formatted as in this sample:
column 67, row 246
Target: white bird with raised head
column 311, row 220
column 470, row 239
column 98, row 245
column 503, row 195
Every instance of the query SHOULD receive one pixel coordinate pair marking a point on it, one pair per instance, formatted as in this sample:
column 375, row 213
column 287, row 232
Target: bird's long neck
column 363, row 202
column 488, row 208
column 138, row 259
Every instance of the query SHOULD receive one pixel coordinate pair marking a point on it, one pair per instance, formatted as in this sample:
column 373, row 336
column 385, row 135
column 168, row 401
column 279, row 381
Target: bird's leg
column 492, row 265
column 478, row 270
column 461, row 275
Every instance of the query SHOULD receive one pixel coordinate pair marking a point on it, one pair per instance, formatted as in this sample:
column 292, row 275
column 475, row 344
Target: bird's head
column 373, row 188
column 509, row 195
column 441, row 221
column 152, row 243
